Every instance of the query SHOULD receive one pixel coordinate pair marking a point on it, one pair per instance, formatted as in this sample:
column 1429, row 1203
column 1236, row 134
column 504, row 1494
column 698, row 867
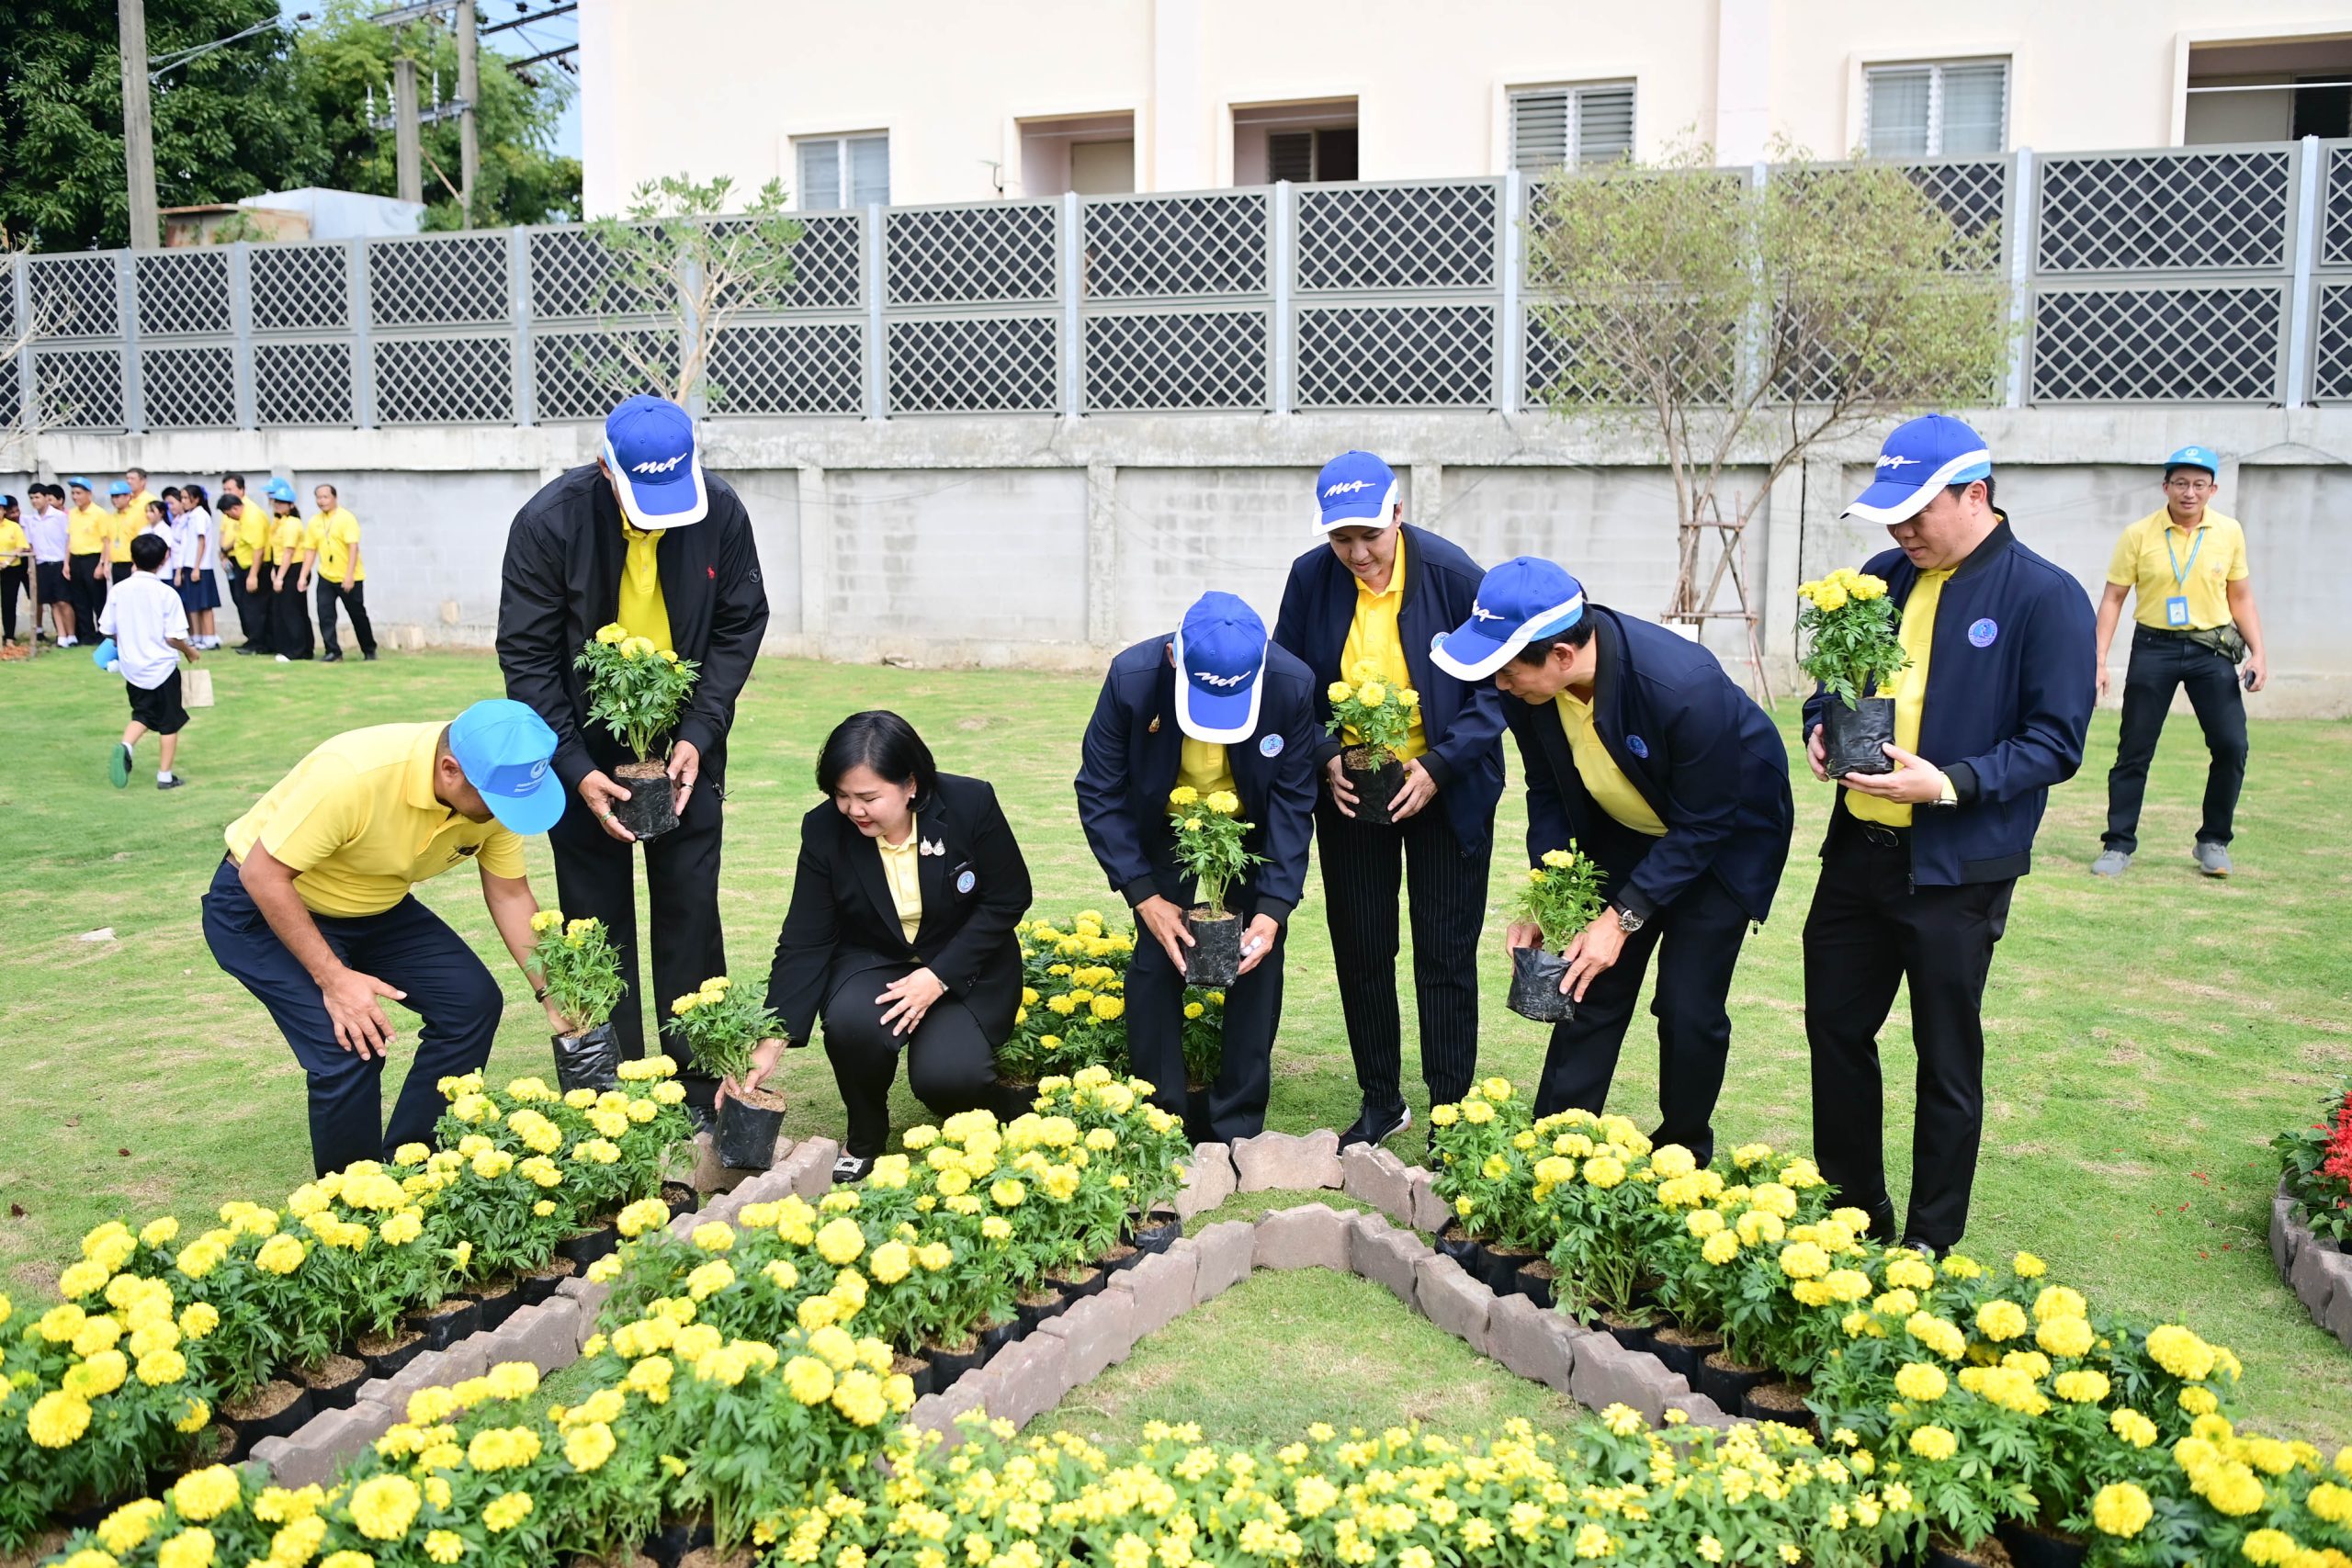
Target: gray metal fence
column 2181, row 275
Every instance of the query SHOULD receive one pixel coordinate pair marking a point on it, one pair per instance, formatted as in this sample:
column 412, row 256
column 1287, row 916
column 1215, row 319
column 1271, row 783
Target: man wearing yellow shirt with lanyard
column 647, row 536
column 1369, row 600
column 1919, row 862
column 87, row 530
column 332, row 562
column 2196, row 619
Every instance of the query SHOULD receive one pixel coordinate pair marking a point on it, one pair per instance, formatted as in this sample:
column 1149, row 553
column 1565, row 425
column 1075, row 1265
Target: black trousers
column 408, row 946
column 289, row 617
column 1366, row 868
column 119, row 572
column 1236, row 1103
column 354, row 599
column 249, row 617
column 12, row 585
column 596, row 877
column 1697, row 939
column 951, row 1062
column 87, row 580
column 2160, row 663
column 1869, row 930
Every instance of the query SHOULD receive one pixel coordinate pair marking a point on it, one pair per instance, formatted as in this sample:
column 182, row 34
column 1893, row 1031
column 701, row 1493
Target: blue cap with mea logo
column 2194, row 458
column 655, row 459
column 1355, row 490
column 1921, row 459
column 1220, row 654
column 504, row 748
column 1522, row 600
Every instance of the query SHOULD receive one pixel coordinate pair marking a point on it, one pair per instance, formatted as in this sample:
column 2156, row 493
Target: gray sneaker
column 2212, row 859
column 2110, row 862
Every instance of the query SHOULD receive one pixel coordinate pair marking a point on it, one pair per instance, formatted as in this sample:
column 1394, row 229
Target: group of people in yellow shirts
column 280, row 560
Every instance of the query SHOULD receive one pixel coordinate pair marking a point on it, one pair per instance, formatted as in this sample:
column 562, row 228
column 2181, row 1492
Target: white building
column 915, row 101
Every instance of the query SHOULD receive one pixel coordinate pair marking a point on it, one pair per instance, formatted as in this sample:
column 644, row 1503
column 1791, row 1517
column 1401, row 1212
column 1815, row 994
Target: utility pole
column 407, row 146
column 469, row 94
column 137, row 126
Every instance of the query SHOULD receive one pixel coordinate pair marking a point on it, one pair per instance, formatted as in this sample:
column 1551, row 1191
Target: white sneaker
column 69, row 642
column 283, row 659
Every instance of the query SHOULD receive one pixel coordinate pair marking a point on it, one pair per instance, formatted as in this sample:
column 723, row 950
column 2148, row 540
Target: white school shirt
column 168, row 531
column 48, row 532
column 189, row 528
column 142, row 613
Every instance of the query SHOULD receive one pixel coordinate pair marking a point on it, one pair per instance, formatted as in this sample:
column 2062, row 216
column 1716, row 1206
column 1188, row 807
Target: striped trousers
column 1367, row 870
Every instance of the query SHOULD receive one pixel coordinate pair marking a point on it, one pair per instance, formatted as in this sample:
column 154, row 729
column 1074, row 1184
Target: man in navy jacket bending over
column 1919, row 862
column 1640, row 751
column 1215, row 706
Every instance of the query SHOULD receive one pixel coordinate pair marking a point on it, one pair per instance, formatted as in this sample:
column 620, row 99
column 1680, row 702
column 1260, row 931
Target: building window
column 1302, row 156
column 1552, row 126
column 843, row 171
column 1953, row 109
column 1300, row 140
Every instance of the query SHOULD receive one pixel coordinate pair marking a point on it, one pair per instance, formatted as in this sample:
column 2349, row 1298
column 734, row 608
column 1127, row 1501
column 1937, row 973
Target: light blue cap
column 82, row 480
column 503, row 749
column 279, row 489
column 118, row 487
column 2194, row 457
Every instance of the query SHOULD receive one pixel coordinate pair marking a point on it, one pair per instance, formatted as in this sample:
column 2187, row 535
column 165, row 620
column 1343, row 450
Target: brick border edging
column 2317, row 1271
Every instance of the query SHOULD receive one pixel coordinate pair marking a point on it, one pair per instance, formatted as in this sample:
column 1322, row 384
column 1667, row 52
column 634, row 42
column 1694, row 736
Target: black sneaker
column 849, row 1169
column 173, row 782
column 367, row 658
column 1377, row 1126
column 331, row 659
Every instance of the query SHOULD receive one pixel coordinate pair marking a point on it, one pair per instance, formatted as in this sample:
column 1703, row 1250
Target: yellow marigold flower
column 587, row 1448
column 2064, row 1335
column 1933, row 1442
column 159, row 1367
column 1339, row 692
column 444, row 1546
column 2132, row 1427
column 504, row 1512
column 2180, row 1352
column 2026, row 1266
column 1604, row 1171
column 1803, row 1261
column 840, row 1242
column 1721, row 1247
column 2198, row 1401
column 2269, row 1546
column 2121, row 1509
column 189, row 1549
column 2083, row 1386
column 383, row 1506
column 1184, row 794
column 2000, row 1320
column 715, row 1236
column 347, row 1559
column 890, row 1262
column 2330, row 1501
column 809, row 1380
column 128, row 1526
column 1920, row 1381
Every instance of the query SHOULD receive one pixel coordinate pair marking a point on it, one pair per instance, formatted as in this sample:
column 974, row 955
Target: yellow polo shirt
column 642, row 611
column 88, row 530
column 1603, row 779
column 250, row 538
column 286, row 537
column 1919, row 635
column 2150, row 551
column 901, row 866
column 334, row 533
column 358, row 822
column 1373, row 647
column 129, row 523
column 12, row 539
column 1202, row 764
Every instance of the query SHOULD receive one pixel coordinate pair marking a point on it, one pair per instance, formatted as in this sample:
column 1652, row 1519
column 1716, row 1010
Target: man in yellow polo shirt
column 2195, row 619
column 311, row 910
column 1367, row 600
column 331, row 562
column 87, row 532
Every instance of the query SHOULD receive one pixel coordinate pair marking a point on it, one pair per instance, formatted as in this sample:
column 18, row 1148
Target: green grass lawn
column 2147, row 1038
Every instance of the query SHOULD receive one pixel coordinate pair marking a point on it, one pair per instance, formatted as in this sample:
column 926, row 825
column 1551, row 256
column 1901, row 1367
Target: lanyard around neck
column 2179, row 571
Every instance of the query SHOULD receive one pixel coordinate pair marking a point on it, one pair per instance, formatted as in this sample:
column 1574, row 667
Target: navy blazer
column 843, row 919
column 1129, row 760
column 2011, row 680
column 1709, row 762
column 1461, row 720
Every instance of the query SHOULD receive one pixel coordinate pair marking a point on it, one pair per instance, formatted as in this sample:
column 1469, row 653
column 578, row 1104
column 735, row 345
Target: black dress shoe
column 1924, row 1249
column 1373, row 1126
column 331, row 659
column 849, row 1169
column 367, row 658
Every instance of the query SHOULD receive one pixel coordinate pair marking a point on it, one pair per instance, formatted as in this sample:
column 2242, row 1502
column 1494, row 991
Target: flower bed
column 2310, row 1221
column 1073, row 1006
column 170, row 1350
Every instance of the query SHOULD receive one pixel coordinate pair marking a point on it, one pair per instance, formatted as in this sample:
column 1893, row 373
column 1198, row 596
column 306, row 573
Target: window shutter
column 1539, row 131
column 869, row 170
column 1975, row 101
column 1895, row 114
column 1290, row 155
column 1604, row 124
column 820, row 175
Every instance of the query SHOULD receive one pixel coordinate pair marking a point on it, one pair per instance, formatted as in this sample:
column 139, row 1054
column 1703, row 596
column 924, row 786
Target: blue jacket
column 1708, row 761
column 2010, row 684
column 1463, row 721
column 1129, row 760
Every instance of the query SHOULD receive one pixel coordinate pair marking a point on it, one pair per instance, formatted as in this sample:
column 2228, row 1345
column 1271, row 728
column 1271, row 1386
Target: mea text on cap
column 1220, row 656
column 1355, row 490
column 504, row 748
column 655, row 460
column 1523, row 599
column 1921, row 459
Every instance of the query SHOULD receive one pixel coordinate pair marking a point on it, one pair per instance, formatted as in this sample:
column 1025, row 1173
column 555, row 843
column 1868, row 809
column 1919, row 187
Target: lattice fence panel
column 991, row 365
column 804, row 367
column 1162, row 247
column 827, row 269
column 574, row 277
column 185, row 388
column 2332, row 346
column 582, row 375
column 73, row 296
column 79, row 389
column 184, row 292
column 2156, row 211
column 1214, row 360
column 300, row 287
column 460, row 281
column 1001, row 254
column 1973, row 194
column 445, row 380
column 1397, row 356
column 1708, row 361
column 1396, row 237
column 7, row 308
column 302, row 383
column 2217, row 344
column 2335, row 234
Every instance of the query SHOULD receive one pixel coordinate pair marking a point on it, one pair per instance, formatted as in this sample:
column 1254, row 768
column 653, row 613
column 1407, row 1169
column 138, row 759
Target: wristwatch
column 1628, row 921
column 1946, row 795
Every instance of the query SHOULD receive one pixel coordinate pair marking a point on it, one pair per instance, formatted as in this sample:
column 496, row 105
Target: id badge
column 2177, row 610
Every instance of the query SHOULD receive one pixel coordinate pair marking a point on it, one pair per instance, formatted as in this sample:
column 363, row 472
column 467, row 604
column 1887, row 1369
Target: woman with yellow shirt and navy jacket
column 1919, row 862
column 1371, row 600
column 903, row 931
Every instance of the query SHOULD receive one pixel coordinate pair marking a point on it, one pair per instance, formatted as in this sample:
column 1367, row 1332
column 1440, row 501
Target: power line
column 526, row 21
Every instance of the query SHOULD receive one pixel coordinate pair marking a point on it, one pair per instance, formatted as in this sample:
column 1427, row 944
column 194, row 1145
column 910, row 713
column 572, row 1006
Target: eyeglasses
column 2185, row 483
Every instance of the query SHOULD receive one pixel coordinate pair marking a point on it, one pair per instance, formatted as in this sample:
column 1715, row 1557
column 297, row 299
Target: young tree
column 1738, row 326
column 678, row 253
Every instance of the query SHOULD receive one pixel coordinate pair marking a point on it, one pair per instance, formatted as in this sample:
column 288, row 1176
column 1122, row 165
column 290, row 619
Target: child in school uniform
column 149, row 625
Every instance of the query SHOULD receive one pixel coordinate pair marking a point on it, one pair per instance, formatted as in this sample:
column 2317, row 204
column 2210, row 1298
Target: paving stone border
column 2318, row 1271
column 1031, row 1376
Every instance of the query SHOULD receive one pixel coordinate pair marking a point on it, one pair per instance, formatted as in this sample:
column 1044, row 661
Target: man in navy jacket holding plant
column 1364, row 607
column 1214, row 707
column 1920, row 864
column 1641, row 752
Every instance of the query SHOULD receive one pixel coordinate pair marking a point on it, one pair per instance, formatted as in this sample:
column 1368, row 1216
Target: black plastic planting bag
column 1854, row 738
column 588, row 1060
column 1535, row 992
column 1376, row 783
column 1215, row 960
